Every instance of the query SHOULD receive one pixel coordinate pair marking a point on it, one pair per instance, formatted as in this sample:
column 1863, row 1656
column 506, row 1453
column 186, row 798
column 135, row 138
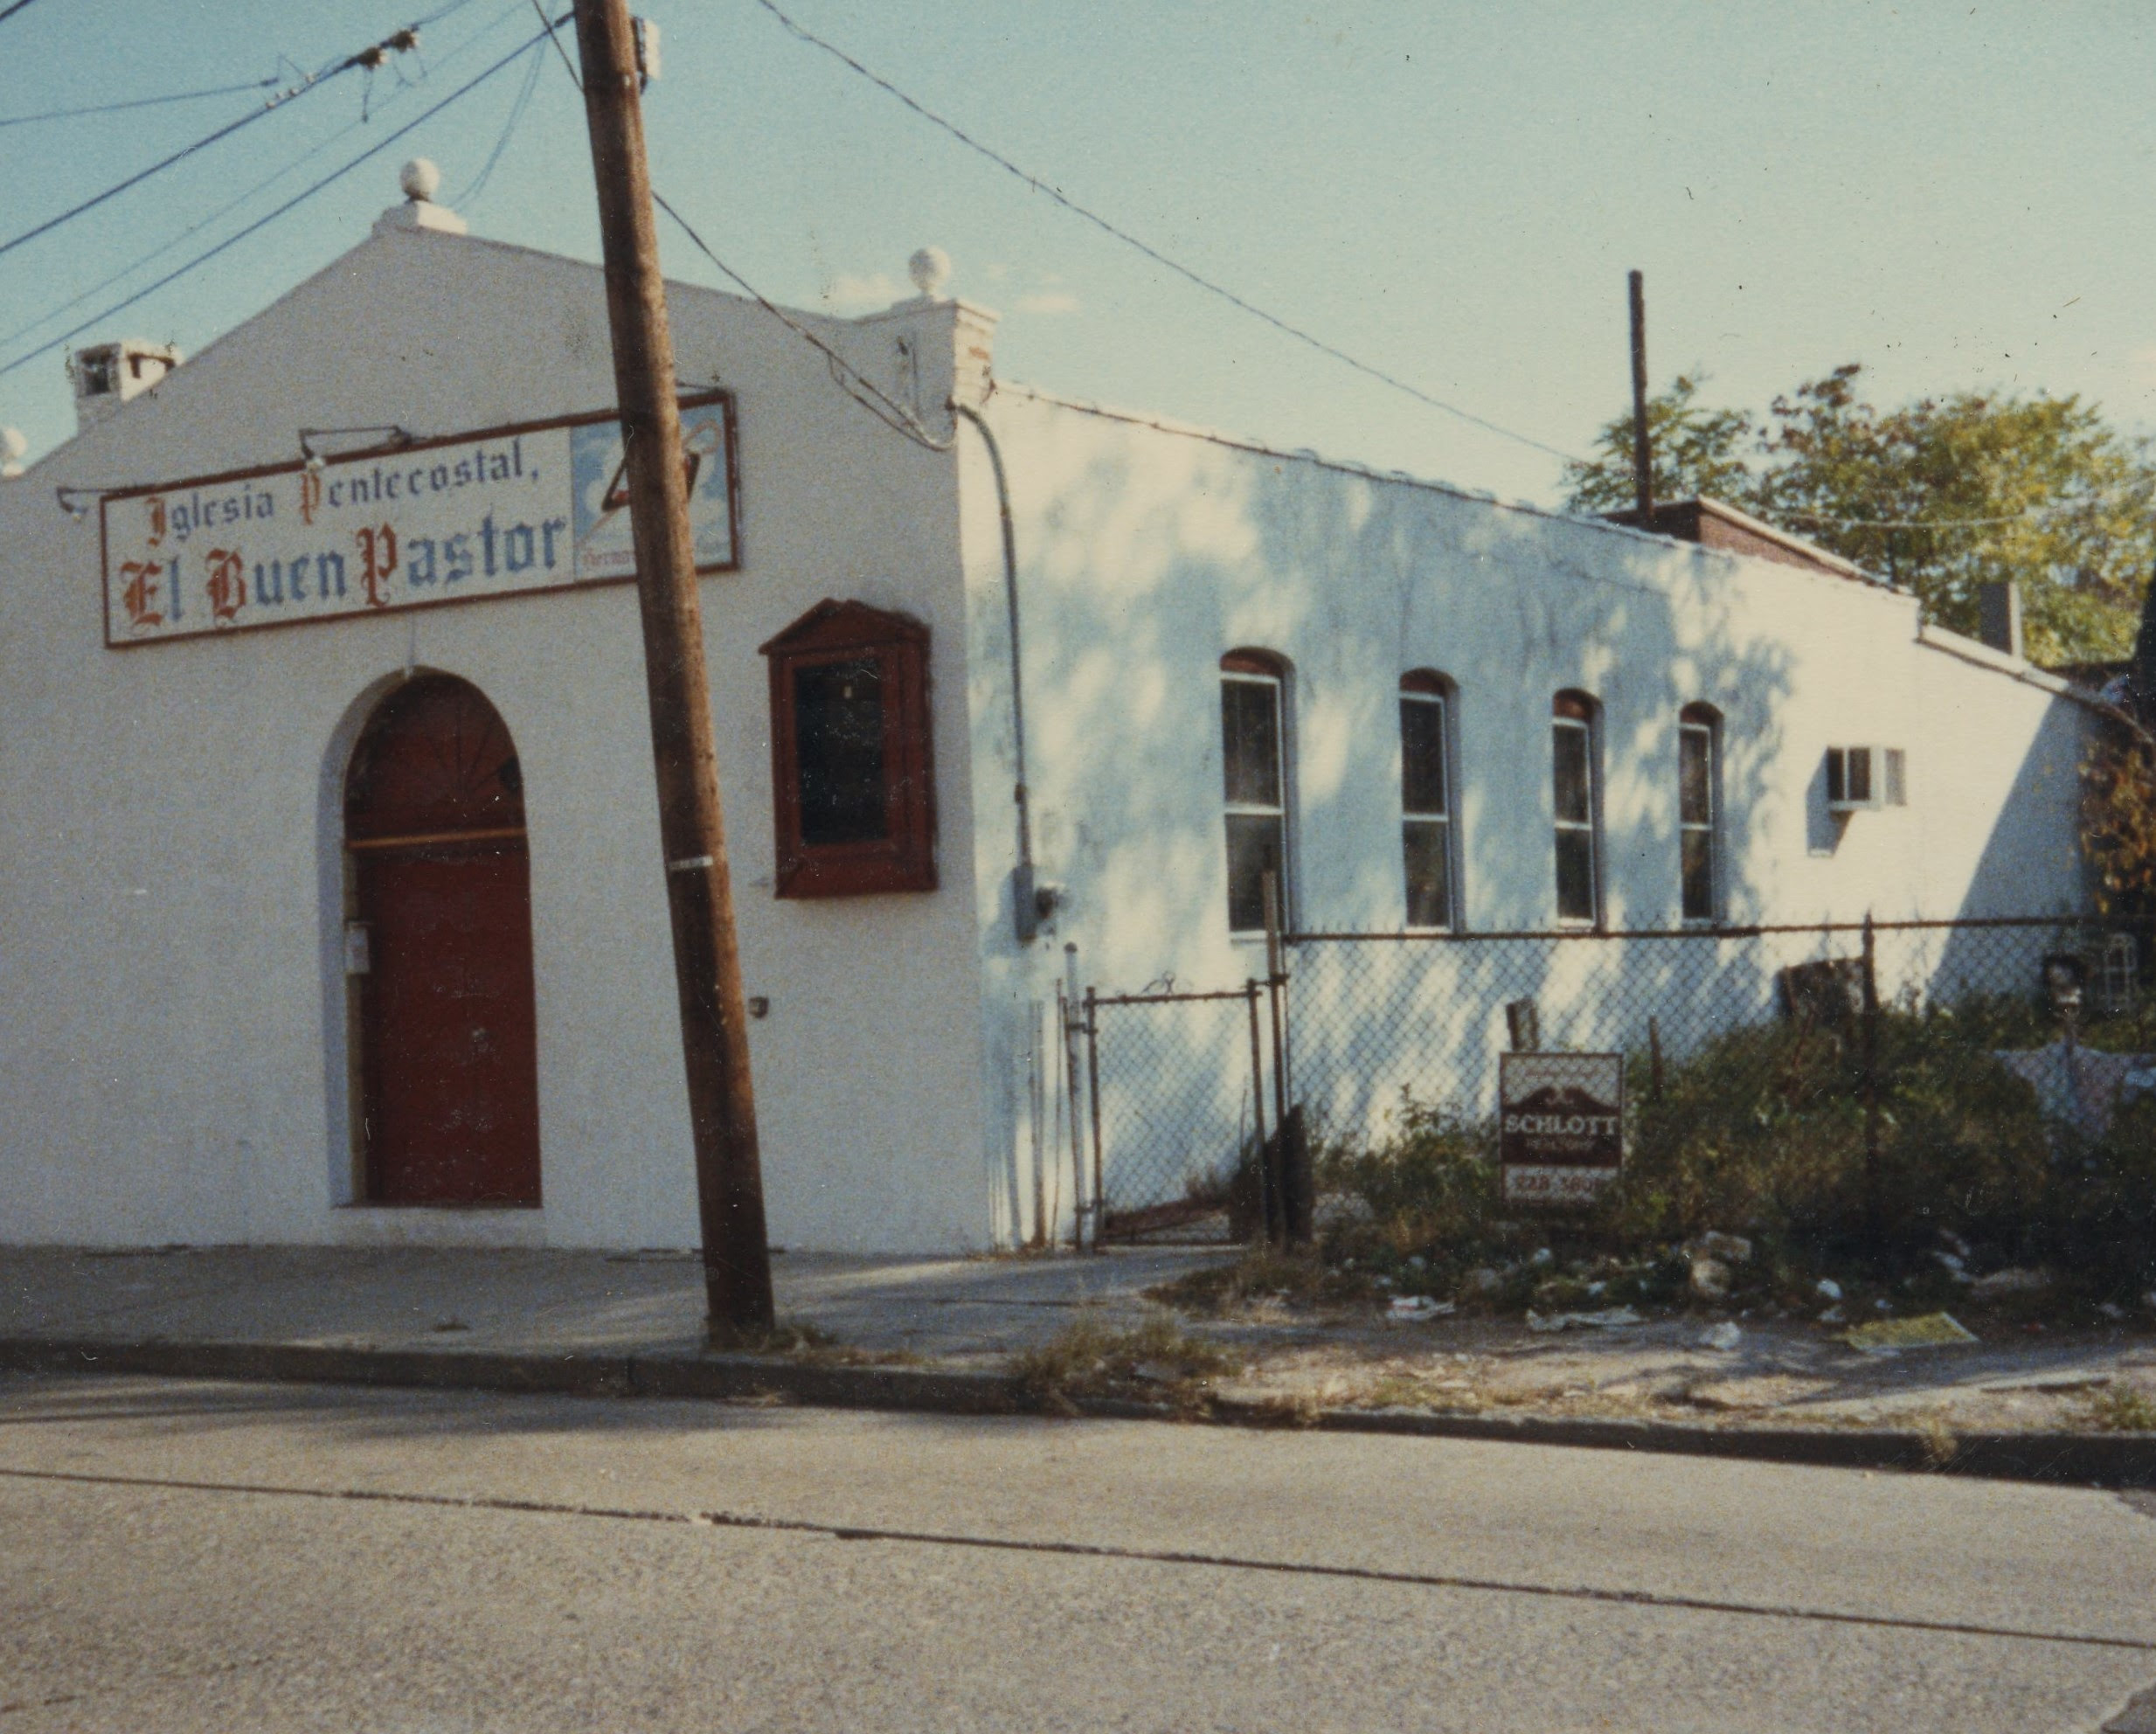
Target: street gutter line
column 851, row 1532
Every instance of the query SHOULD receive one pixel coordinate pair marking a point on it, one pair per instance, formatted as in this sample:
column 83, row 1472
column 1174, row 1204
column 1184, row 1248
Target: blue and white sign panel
column 501, row 513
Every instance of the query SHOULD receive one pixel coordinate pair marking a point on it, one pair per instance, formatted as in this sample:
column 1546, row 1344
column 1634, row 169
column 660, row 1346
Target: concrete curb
column 2087, row 1460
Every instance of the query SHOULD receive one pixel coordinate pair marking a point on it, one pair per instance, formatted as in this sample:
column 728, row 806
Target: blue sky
column 1953, row 195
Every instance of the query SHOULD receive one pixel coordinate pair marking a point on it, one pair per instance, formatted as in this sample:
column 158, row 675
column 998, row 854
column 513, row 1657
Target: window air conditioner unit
column 1862, row 779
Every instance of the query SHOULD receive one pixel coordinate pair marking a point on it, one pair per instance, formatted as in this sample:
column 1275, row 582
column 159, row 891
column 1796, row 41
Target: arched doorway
column 434, row 828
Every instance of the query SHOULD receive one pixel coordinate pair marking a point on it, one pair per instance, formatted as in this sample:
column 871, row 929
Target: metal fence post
column 1268, row 1184
column 1066, row 1011
column 1871, row 1078
column 1275, row 977
column 1092, row 1088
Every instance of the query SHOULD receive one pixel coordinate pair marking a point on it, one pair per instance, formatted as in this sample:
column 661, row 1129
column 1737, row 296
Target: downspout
column 1025, row 901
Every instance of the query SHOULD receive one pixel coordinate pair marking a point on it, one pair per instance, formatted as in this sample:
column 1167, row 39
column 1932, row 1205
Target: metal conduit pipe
column 1026, row 910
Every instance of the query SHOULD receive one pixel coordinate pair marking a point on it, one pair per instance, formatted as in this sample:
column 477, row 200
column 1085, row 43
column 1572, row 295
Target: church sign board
column 506, row 511
column 1560, row 1126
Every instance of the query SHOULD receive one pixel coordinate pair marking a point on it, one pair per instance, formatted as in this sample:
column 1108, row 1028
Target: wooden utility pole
column 707, row 961
column 1642, row 446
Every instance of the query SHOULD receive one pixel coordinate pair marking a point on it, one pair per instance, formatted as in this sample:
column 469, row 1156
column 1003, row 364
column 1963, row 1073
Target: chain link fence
column 1373, row 1016
column 1865, row 1029
column 1182, row 1088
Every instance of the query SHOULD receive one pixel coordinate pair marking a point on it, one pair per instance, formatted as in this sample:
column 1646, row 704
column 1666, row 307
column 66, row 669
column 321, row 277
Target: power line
column 17, row 7
column 203, row 258
column 1150, row 252
column 399, row 41
column 1908, row 523
column 469, row 196
column 860, row 389
column 138, row 102
column 855, row 384
column 231, row 206
column 567, row 64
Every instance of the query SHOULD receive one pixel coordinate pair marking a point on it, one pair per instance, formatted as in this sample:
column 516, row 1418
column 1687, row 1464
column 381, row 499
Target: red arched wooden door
column 434, row 822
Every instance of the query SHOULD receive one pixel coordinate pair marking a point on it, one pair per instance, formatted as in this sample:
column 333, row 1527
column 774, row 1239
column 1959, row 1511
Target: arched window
column 1699, row 811
column 1575, row 785
column 1253, row 740
column 1426, row 797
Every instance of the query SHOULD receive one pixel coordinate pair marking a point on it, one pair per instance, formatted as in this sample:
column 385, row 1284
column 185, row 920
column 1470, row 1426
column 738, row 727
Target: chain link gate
column 1182, row 1091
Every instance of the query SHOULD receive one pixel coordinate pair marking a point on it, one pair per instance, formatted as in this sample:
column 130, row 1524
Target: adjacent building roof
column 1713, row 523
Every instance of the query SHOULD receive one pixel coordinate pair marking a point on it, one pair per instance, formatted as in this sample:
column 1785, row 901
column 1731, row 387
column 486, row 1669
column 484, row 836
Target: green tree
column 1695, row 450
column 1939, row 495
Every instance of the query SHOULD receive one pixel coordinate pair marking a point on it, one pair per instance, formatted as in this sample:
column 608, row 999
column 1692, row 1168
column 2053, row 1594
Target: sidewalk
column 942, row 1334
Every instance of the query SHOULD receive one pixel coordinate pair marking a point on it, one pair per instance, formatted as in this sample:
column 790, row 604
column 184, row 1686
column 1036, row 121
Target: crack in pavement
column 854, row 1532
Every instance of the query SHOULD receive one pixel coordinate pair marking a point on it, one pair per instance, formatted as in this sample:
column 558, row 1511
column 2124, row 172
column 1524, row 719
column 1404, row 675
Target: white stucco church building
column 330, row 898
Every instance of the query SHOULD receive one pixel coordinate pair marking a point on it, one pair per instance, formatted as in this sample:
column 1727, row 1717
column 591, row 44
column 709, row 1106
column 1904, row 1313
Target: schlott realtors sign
column 504, row 512
column 1560, row 1126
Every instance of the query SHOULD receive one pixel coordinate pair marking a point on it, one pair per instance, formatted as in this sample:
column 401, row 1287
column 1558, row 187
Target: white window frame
column 1441, row 702
column 1702, row 721
column 1590, row 729
column 1235, row 810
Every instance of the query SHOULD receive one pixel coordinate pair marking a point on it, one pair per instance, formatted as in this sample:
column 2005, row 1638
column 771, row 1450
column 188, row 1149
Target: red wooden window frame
column 904, row 858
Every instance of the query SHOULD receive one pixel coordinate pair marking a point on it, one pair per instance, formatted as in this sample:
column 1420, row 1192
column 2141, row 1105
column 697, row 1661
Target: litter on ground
column 1609, row 1318
column 1929, row 1330
column 1411, row 1306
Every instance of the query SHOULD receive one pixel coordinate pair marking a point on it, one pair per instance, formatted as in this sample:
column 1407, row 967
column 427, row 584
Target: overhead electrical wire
column 1150, row 251
column 17, row 7
column 850, row 379
column 477, row 185
column 854, row 382
column 231, row 240
column 398, row 42
column 138, row 102
column 1925, row 523
column 315, row 150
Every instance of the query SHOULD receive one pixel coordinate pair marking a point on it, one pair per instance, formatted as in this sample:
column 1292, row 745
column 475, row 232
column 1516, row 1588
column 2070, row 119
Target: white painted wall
column 172, row 1040
column 172, row 1028
column 1147, row 552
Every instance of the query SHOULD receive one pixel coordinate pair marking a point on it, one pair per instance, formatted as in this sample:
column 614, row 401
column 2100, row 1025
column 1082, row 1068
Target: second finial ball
column 930, row 269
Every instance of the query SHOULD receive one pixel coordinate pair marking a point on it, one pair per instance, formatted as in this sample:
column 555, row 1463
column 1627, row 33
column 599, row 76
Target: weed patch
column 1157, row 1360
column 2121, row 1408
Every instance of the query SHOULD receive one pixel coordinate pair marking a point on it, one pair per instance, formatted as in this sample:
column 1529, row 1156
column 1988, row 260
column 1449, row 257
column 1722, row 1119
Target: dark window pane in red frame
column 839, row 744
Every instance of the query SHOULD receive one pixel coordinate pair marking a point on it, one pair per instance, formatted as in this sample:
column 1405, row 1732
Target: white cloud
column 848, row 291
column 1053, row 301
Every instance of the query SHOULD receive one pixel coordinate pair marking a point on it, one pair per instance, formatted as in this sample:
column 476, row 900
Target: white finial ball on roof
column 12, row 444
column 930, row 269
column 419, row 179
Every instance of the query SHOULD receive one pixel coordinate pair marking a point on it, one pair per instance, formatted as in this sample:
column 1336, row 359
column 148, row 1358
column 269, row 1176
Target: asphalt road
column 179, row 1556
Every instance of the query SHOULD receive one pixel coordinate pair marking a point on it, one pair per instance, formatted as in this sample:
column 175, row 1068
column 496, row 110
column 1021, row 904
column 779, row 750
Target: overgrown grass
column 1765, row 1130
column 1763, row 1133
column 2122, row 1408
column 1258, row 1277
column 809, row 1344
column 1156, row 1361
